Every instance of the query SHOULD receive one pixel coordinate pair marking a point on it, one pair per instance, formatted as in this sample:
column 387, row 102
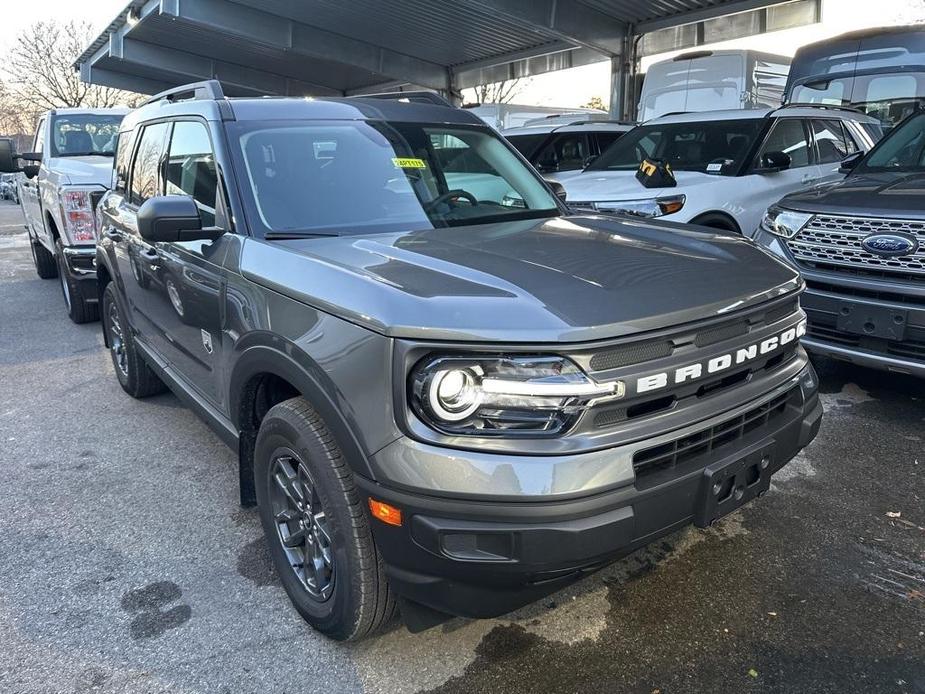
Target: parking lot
column 127, row 563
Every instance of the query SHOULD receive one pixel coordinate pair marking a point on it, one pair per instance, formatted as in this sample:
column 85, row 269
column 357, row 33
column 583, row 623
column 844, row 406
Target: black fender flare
column 283, row 360
column 717, row 219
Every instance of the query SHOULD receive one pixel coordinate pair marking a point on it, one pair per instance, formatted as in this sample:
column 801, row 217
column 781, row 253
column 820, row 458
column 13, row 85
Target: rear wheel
column 45, row 265
column 79, row 308
column 316, row 526
column 135, row 376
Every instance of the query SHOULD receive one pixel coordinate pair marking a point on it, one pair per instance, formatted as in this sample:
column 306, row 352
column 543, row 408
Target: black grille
column 631, row 354
column 681, row 450
column 706, row 338
column 876, row 295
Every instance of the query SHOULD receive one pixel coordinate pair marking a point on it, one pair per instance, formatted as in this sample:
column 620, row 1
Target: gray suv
column 440, row 401
column 860, row 244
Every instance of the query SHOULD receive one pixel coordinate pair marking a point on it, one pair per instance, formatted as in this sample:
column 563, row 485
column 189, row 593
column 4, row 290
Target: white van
column 713, row 81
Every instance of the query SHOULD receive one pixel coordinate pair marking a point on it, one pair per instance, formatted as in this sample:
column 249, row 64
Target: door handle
column 112, row 234
column 149, row 254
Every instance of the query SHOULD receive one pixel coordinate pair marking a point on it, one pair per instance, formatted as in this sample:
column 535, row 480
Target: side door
column 763, row 189
column 29, row 191
column 185, row 305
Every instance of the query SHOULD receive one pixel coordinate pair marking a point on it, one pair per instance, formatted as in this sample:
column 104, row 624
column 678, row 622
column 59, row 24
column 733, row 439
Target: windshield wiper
column 289, row 235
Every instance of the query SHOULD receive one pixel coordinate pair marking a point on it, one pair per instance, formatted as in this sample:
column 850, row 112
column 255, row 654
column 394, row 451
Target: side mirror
column 31, row 170
column 772, row 162
column 7, row 163
column 31, row 156
column 849, row 163
column 169, row 218
column 557, row 189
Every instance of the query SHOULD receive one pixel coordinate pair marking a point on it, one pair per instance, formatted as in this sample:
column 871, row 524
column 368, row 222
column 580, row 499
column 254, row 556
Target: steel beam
column 285, row 34
column 566, row 20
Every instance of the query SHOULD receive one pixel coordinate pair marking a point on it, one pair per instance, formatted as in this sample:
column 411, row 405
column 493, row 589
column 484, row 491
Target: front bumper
column 81, row 262
column 482, row 558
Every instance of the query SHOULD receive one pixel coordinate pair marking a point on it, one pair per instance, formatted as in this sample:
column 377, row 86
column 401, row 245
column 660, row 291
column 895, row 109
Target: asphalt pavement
column 126, row 564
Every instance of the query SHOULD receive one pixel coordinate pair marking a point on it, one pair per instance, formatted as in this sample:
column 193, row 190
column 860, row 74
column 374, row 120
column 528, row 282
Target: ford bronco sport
column 439, row 401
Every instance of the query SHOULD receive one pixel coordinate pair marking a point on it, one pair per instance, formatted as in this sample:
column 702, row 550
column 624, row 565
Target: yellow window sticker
column 409, row 163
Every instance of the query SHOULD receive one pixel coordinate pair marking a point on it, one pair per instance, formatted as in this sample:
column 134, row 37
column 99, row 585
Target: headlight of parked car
column 653, row 207
column 79, row 219
column 504, row 395
column 784, row 223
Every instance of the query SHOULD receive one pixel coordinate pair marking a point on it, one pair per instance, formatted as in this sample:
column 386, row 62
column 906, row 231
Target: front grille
column 831, row 242
column 876, row 295
column 910, row 348
column 687, row 448
column 647, row 350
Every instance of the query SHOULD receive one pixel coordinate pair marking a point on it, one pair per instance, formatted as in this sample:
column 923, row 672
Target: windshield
column 887, row 97
column 360, row 177
column 76, row 135
column 903, row 149
column 689, row 146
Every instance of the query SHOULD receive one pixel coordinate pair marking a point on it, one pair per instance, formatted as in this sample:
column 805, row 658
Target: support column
column 623, row 69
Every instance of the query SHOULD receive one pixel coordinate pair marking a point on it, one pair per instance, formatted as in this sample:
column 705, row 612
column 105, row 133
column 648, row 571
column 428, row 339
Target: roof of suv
column 803, row 110
column 394, row 108
column 576, row 127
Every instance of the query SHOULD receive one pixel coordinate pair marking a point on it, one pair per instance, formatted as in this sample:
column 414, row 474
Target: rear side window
column 191, row 167
column 788, row 136
column 566, row 152
column 146, row 177
column 831, row 141
column 123, row 159
column 604, row 140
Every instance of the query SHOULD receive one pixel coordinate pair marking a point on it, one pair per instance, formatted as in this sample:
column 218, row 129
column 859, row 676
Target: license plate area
column 874, row 321
column 728, row 484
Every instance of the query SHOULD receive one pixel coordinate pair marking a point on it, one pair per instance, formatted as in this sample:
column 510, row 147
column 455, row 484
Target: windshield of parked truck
column 358, row 177
column 721, row 145
column 888, row 97
column 84, row 134
column 903, row 149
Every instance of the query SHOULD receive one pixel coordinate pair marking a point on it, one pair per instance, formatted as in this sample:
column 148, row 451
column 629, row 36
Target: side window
column 789, row 136
column 123, row 159
column 191, row 166
column 604, row 140
column 146, row 165
column 567, row 152
column 831, row 145
column 39, row 144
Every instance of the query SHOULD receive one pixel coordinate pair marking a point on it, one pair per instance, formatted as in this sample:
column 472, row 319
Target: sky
column 567, row 88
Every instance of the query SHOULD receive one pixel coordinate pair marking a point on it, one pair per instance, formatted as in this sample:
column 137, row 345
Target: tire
column 78, row 308
column 135, row 376
column 45, row 265
column 294, row 444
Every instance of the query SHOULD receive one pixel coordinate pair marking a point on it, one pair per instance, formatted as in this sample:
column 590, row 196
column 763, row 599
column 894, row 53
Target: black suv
column 860, row 244
column 438, row 398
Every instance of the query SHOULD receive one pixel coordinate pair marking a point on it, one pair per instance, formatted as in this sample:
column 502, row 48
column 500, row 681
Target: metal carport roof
column 324, row 47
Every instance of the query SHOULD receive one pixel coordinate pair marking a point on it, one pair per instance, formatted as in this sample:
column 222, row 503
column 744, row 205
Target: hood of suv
column 89, row 170
column 896, row 195
column 562, row 279
column 596, row 186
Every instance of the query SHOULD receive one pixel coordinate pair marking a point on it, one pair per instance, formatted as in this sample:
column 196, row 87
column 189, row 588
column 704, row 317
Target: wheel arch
column 265, row 374
column 717, row 219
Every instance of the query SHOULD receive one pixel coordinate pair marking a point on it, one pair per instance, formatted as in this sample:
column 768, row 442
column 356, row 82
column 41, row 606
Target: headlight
column 653, row 207
column 504, row 395
column 79, row 219
column 784, row 223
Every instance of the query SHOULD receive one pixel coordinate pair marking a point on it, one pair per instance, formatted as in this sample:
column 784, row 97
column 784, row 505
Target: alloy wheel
column 301, row 524
column 117, row 340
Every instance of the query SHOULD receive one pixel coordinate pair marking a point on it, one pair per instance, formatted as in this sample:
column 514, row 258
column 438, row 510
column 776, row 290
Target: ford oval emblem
column 890, row 245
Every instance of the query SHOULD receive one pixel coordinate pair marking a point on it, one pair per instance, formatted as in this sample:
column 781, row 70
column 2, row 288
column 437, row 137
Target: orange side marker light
column 384, row 512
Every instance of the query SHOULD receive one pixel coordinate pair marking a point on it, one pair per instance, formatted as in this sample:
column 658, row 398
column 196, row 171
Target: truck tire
column 310, row 507
column 135, row 376
column 45, row 265
column 78, row 308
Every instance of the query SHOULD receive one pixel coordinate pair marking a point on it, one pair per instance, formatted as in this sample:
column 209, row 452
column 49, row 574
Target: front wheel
column 135, row 376
column 317, row 529
column 79, row 309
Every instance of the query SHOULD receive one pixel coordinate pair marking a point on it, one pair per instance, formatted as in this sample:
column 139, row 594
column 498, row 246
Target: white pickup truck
column 66, row 174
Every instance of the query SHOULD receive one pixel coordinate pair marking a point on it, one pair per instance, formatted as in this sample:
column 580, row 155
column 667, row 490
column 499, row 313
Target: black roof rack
column 209, row 90
column 420, row 96
column 827, row 107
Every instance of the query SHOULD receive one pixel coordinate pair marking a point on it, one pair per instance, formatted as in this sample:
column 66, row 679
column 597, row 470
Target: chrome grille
column 834, row 242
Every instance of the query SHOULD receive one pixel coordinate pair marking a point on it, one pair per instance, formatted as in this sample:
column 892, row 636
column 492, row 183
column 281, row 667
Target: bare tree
column 502, row 92
column 40, row 72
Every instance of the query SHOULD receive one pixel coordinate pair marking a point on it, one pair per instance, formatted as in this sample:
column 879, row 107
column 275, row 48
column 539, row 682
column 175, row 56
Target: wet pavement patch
column 153, row 615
